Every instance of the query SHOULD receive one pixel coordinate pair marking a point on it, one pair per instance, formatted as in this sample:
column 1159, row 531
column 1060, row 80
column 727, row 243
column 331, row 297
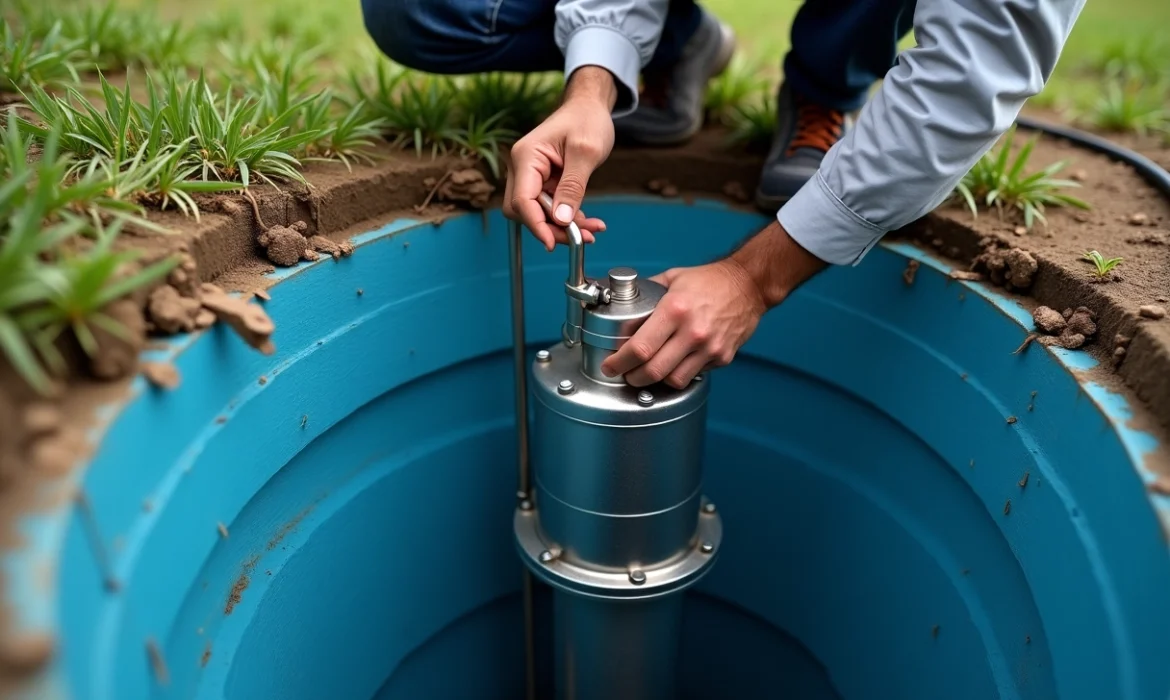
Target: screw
column 645, row 398
column 547, row 557
column 566, row 386
column 698, row 378
column 706, row 548
column 543, row 356
column 526, row 504
column 708, row 507
column 637, row 577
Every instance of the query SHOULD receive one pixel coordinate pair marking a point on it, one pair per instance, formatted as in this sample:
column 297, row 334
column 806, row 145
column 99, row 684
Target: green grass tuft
column 1001, row 182
column 1102, row 266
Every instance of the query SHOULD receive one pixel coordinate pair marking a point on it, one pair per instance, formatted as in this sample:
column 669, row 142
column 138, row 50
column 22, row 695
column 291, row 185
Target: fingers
column 581, row 158
column 642, row 346
column 529, row 173
column 665, row 278
column 674, row 352
column 686, row 371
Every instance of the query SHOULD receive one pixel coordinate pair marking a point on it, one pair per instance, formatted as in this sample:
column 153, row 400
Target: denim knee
column 428, row 35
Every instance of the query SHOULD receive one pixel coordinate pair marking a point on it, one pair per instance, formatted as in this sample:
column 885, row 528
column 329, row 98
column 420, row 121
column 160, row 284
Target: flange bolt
column 706, row 548
column 546, row 557
column 566, row 386
column 645, row 398
column 637, row 577
column 708, row 507
column 543, row 356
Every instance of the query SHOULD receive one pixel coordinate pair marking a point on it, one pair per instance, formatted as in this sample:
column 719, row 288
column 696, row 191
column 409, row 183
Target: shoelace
column 817, row 127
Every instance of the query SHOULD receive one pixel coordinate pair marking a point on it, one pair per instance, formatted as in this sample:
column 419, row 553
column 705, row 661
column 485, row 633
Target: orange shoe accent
column 817, row 127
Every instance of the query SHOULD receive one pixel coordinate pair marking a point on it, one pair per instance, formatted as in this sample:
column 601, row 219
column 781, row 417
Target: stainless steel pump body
column 617, row 523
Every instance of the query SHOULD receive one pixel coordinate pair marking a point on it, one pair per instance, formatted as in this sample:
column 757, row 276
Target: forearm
column 592, row 83
column 939, row 109
column 617, row 35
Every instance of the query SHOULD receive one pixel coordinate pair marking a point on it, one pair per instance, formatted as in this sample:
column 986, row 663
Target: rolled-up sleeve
column 944, row 104
column 617, row 35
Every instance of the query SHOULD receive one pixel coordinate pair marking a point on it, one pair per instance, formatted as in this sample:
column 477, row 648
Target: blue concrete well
column 860, row 451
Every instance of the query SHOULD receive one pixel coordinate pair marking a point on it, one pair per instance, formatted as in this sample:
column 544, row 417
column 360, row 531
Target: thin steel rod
column 523, row 488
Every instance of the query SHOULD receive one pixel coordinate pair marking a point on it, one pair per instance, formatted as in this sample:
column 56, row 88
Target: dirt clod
column 967, row 275
column 468, row 186
column 910, row 272
column 41, row 419
column 163, row 375
column 321, row 244
column 1013, row 268
column 1020, row 230
column 117, row 355
column 1138, row 219
column 669, row 190
column 170, row 311
column 1070, row 330
column 248, row 320
column 734, row 189
column 1048, row 320
column 1153, row 312
column 285, row 246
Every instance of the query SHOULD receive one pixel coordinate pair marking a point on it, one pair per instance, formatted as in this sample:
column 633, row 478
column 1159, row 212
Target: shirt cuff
column 598, row 45
column 821, row 224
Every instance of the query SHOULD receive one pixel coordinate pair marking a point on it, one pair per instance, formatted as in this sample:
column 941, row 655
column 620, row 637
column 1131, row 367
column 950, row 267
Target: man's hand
column 710, row 311
column 560, row 155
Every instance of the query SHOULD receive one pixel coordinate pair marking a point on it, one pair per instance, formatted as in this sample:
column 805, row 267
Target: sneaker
column 805, row 131
column 670, row 105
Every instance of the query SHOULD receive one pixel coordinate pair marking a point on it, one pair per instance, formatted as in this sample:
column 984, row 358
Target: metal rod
column 523, row 488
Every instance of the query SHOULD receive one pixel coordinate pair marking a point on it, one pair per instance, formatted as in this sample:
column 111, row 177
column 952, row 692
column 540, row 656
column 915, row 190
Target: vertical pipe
column 523, row 489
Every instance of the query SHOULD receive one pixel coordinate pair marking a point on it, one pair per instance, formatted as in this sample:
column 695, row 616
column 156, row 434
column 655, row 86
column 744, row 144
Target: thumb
column 571, row 188
column 665, row 278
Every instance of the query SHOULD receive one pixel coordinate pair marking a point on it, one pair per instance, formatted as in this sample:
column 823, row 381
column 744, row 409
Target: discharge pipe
column 617, row 524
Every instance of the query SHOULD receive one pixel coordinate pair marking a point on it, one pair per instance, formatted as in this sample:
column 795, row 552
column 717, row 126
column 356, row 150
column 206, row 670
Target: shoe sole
column 722, row 61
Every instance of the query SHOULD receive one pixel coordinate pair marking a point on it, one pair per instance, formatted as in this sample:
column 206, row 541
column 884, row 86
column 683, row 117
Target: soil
column 237, row 241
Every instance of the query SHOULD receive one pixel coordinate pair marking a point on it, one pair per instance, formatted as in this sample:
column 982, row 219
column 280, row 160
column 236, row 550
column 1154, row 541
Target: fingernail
column 564, row 213
column 607, row 371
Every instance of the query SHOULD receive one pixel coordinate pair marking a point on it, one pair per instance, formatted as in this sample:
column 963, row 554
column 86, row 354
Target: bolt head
column 645, row 398
column 706, row 548
column 543, row 356
column 637, row 577
column 526, row 504
column 566, row 386
column 547, row 556
column 708, row 507
column 698, row 378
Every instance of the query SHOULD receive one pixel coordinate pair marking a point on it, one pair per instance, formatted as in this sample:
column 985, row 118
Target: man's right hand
column 560, row 155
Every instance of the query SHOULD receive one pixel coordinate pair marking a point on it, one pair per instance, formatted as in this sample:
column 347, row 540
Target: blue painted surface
column 859, row 450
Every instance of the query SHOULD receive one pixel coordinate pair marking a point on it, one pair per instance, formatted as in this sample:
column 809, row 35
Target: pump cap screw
column 708, row 507
column 566, row 386
column 543, row 356
column 526, row 504
column 547, row 556
column 706, row 548
column 637, row 577
column 645, row 398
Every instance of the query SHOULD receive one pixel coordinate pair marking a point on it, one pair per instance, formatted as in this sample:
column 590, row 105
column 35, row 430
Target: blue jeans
column 839, row 47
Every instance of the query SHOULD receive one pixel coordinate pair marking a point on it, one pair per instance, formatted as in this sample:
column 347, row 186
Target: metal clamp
column 578, row 288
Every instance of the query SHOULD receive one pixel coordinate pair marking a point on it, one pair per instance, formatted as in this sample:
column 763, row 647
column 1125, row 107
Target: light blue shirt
column 945, row 102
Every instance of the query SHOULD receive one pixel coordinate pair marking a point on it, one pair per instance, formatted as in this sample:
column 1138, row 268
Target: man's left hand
column 707, row 313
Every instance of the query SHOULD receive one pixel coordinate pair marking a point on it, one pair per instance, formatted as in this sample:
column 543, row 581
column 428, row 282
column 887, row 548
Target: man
column 836, row 186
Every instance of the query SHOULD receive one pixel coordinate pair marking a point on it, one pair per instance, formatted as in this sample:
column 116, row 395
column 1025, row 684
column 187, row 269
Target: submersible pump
column 615, row 520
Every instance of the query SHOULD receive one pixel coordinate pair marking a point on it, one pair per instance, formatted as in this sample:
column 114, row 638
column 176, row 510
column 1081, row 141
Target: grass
column 1102, row 266
column 50, row 288
column 219, row 95
column 1002, row 182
